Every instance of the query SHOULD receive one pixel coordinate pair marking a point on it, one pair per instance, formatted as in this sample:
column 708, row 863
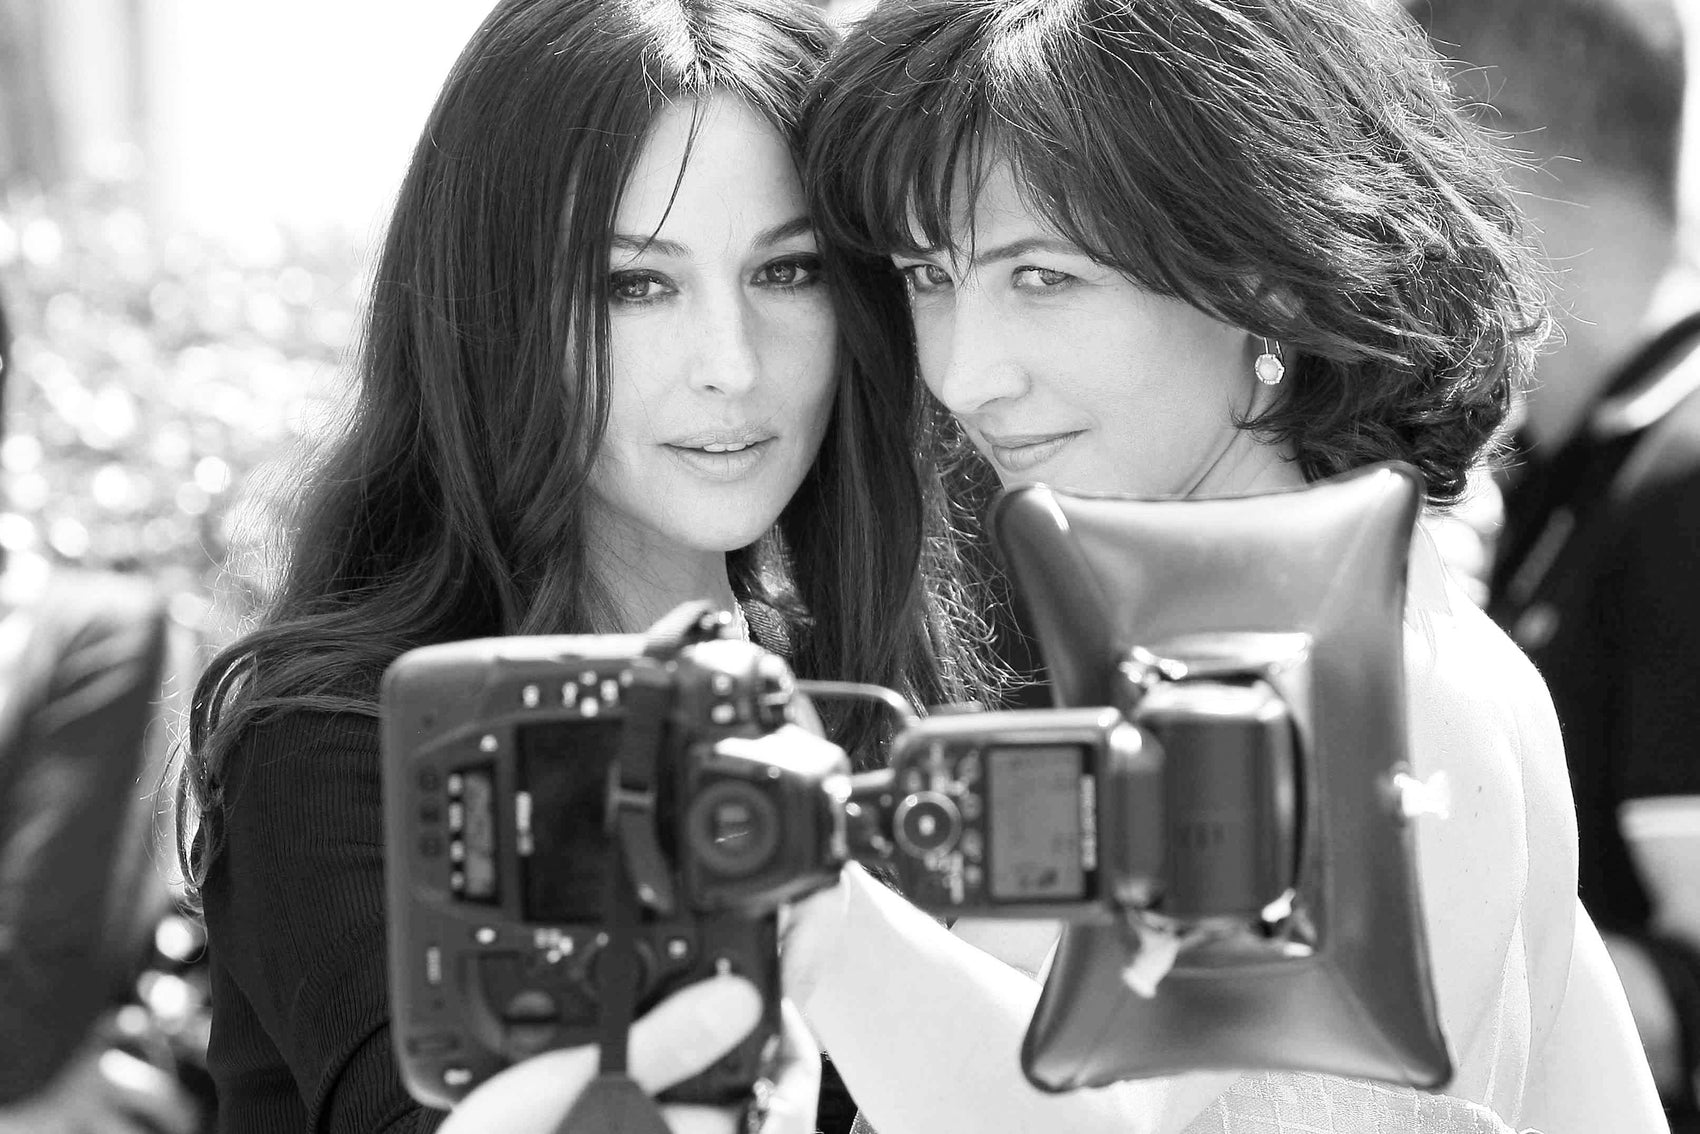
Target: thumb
column 678, row 1038
column 687, row 1032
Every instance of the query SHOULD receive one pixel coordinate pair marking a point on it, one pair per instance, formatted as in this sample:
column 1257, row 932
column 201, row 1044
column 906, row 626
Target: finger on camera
column 678, row 1038
column 796, row 1086
column 686, row 1033
column 685, row 1118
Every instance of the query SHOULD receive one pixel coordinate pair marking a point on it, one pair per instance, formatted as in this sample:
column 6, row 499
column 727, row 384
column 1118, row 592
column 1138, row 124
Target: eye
column 1040, row 279
column 637, row 287
column 925, row 279
column 791, row 272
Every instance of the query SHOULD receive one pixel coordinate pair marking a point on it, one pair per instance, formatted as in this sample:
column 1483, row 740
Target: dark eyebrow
column 620, row 242
column 766, row 238
column 796, row 226
column 1026, row 246
column 1016, row 249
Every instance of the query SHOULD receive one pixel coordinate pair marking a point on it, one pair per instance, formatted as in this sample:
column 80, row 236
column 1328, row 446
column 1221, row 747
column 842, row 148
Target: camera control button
column 436, row 1043
column 968, row 768
column 530, row 1006
column 927, row 823
column 970, row 805
column 972, row 845
column 530, row 1019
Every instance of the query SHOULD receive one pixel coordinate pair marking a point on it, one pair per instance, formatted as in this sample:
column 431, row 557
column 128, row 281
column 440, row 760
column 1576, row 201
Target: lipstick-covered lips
column 1021, row 452
column 722, row 454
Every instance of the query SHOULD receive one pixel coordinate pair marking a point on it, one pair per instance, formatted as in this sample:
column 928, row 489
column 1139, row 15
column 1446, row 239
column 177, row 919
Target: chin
column 726, row 539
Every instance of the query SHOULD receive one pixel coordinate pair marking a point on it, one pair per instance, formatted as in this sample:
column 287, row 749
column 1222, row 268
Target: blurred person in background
column 603, row 373
column 1601, row 547
column 82, row 662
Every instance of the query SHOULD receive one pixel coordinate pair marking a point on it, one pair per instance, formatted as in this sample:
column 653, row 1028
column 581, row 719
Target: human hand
column 678, row 1038
column 106, row 1091
column 811, row 933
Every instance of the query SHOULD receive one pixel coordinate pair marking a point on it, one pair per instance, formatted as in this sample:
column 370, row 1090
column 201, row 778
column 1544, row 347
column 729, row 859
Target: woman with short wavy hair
column 1195, row 248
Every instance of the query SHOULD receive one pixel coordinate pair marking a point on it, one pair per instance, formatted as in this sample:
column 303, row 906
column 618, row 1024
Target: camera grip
column 749, row 948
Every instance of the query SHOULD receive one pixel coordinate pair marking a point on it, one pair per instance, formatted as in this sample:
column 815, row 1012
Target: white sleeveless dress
column 1440, row 621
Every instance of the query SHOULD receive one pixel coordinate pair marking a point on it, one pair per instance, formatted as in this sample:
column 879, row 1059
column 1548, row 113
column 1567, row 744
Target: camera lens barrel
column 733, row 827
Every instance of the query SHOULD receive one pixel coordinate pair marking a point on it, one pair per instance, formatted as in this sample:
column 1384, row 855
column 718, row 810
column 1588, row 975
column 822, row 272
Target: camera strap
column 614, row 1103
column 633, row 790
column 632, row 798
column 637, row 877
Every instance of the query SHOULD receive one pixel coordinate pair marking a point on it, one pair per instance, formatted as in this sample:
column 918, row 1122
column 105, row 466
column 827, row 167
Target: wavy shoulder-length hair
column 454, row 506
column 1296, row 168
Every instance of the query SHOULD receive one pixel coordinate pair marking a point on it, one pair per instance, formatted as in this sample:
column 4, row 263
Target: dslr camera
column 1186, row 803
column 532, row 785
column 1219, row 809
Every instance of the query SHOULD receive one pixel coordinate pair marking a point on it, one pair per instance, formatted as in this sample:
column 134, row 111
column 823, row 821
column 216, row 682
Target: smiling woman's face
column 721, row 340
column 1065, row 371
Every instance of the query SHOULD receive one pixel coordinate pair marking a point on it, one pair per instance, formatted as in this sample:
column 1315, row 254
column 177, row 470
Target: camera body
column 509, row 792
column 1185, row 804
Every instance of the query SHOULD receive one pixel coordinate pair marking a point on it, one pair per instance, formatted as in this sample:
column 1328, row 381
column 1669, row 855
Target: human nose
column 970, row 361
column 727, row 360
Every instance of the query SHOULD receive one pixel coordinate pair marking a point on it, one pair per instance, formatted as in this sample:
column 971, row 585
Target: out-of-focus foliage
column 164, row 392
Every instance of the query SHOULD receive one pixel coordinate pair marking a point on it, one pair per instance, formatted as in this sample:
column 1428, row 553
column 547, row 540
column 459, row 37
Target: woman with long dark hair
column 602, row 374
column 1197, row 248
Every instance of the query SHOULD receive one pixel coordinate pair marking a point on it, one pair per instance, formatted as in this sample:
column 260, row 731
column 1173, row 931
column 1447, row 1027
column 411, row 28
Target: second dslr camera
column 518, row 769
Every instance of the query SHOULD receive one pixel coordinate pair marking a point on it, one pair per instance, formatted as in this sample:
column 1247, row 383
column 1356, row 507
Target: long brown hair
column 454, row 506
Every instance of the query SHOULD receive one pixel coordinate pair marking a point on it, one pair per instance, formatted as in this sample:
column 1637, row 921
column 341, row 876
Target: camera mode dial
column 927, row 823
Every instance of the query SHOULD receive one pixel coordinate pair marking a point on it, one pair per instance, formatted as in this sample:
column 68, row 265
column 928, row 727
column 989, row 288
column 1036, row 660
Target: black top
column 1597, row 581
column 295, row 925
column 296, row 928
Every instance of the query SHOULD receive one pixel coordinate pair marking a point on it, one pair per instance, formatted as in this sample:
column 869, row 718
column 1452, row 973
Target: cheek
column 639, row 368
column 932, row 345
column 806, row 351
column 1186, row 366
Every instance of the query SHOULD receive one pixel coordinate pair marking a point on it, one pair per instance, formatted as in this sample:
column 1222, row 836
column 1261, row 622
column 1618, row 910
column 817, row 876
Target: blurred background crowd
column 189, row 193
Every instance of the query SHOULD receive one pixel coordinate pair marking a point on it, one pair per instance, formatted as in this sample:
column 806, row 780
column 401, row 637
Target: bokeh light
column 163, row 391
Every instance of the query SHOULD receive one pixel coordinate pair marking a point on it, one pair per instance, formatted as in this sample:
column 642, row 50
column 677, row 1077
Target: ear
column 1279, row 300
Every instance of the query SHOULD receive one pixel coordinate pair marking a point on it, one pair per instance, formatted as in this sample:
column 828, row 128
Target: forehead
column 714, row 166
column 984, row 207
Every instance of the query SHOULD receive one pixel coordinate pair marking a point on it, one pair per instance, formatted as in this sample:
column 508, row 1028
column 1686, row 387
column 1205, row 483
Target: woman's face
column 1064, row 371
column 721, row 340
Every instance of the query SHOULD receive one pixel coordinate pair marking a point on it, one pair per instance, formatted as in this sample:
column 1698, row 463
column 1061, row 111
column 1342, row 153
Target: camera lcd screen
column 564, row 767
column 478, row 833
column 1033, row 825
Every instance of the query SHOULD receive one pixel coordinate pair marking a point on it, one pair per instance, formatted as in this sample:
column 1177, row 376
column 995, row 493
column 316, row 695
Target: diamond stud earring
column 1269, row 368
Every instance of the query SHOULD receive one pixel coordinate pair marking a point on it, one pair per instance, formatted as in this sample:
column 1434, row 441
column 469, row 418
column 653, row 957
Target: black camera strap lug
column 685, row 625
column 632, row 787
